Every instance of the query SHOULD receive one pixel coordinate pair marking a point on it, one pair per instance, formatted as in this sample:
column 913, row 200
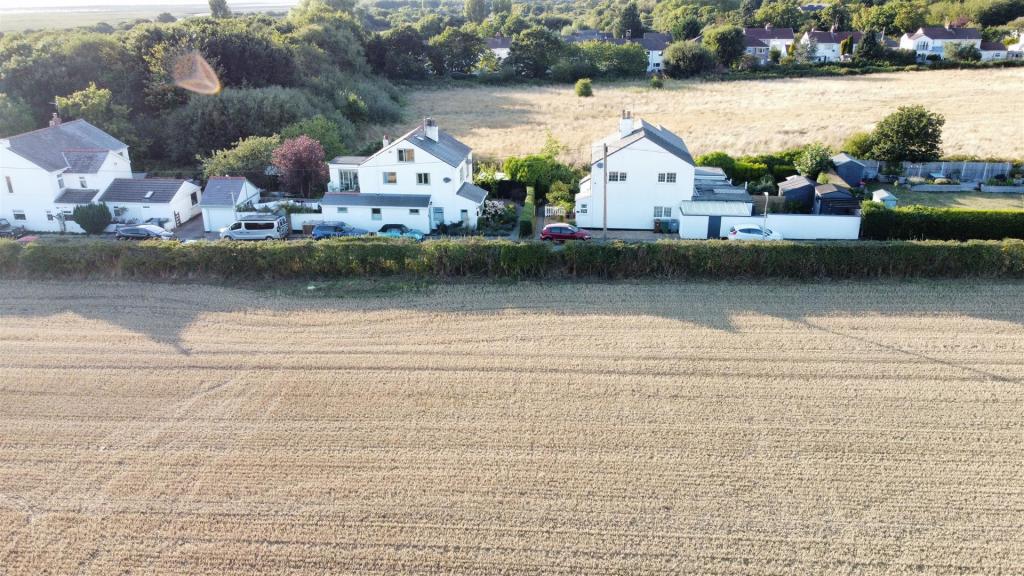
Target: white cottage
column 423, row 179
column 932, row 41
column 222, row 198
column 170, row 202
column 651, row 175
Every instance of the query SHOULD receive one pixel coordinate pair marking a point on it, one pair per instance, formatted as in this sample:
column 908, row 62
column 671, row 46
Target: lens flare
column 192, row 72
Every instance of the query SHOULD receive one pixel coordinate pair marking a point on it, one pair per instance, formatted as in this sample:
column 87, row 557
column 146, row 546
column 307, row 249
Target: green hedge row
column 505, row 259
column 925, row 223
column 528, row 217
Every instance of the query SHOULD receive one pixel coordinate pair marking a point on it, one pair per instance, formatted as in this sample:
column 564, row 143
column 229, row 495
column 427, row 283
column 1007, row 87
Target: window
column 391, row 178
column 666, row 177
column 348, row 180
column 342, row 210
column 10, row 186
column 423, row 178
column 81, row 182
column 583, row 209
column 259, row 225
column 375, row 213
column 414, row 211
column 406, row 155
column 195, row 198
column 662, row 211
column 49, row 216
column 922, row 45
column 616, row 176
column 60, row 181
column 19, row 215
column 464, row 215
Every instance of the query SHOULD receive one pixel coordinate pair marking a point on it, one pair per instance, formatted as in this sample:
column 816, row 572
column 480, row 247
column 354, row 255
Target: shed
column 221, row 199
column 885, row 197
column 849, row 169
column 831, row 199
column 798, row 189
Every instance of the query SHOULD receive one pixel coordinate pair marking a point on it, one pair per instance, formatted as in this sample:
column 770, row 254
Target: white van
column 257, row 227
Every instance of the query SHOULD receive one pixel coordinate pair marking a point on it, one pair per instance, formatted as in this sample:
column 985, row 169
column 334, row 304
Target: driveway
column 193, row 230
column 631, row 235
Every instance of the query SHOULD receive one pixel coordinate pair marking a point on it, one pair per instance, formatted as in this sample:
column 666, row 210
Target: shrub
column 9, row 253
column 656, row 82
column 584, row 88
column 93, row 218
column 783, row 171
column 813, row 160
column 859, row 144
column 528, row 217
column 685, row 59
column 749, row 171
column 720, row 160
column 926, row 223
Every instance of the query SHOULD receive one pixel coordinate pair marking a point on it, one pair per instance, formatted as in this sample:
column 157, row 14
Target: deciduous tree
column 726, row 42
column 910, row 134
column 687, row 58
column 220, row 9
column 301, row 164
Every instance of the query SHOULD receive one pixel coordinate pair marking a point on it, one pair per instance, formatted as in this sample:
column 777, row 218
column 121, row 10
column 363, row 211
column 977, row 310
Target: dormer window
column 406, row 155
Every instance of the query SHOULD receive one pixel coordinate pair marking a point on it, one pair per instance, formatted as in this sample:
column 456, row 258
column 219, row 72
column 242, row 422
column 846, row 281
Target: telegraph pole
column 604, row 195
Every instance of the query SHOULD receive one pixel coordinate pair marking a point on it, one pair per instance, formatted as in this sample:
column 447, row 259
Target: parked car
column 269, row 227
column 9, row 231
column 563, row 232
column 335, row 230
column 753, row 232
column 143, row 232
column 400, row 231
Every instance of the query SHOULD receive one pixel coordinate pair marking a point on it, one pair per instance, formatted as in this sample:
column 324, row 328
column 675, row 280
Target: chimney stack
column 55, row 120
column 768, row 26
column 626, row 123
column 386, row 141
column 430, row 128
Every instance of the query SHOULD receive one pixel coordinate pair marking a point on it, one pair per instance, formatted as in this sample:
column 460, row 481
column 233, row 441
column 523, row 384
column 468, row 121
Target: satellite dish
column 600, row 164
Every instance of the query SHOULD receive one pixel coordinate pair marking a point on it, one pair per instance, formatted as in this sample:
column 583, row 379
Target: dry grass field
column 749, row 117
column 600, row 429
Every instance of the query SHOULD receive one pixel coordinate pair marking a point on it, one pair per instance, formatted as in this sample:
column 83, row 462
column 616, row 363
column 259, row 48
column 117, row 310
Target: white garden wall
column 791, row 226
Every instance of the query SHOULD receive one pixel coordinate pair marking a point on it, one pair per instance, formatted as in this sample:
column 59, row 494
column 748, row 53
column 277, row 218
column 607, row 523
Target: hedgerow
column 475, row 257
column 926, row 223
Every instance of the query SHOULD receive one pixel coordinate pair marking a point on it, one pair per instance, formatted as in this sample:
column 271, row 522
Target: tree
column 219, row 9
column 774, row 55
column 963, row 52
column 559, row 194
column 726, row 43
column 501, row 6
column 813, row 160
column 15, row 116
column 456, row 50
column 910, row 134
column 686, row 58
column 748, row 8
column 584, row 88
column 95, row 106
column 846, row 46
column 859, row 144
column 399, row 53
column 300, row 162
column 686, row 28
column 780, row 13
column 870, row 49
column 894, row 17
column 834, row 14
column 719, row 160
column 534, row 51
column 249, row 157
column 806, row 52
column 93, row 218
column 166, row 18
column 629, row 24
column 476, row 10
column 331, row 134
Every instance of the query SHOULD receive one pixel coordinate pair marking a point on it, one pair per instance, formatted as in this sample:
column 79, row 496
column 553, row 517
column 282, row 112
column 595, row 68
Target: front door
column 438, row 216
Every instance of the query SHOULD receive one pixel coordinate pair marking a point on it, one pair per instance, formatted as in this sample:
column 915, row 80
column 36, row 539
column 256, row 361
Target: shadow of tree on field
column 163, row 312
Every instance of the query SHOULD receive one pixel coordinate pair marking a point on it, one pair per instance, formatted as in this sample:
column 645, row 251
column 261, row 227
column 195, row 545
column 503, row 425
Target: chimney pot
column 430, row 128
column 55, row 120
column 626, row 123
column 386, row 141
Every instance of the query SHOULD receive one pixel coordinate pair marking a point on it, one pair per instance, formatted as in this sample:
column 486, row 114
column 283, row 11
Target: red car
column 563, row 232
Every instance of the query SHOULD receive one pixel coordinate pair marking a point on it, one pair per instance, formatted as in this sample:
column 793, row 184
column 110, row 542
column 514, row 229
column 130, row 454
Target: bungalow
column 759, row 42
column 222, row 198
column 993, row 51
column 168, row 202
column 828, row 43
column 932, row 41
column 423, row 179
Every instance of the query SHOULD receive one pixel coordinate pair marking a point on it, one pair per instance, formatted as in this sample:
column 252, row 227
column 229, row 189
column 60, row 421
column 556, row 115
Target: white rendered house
column 651, row 175
column 758, row 42
column 169, row 202
column 929, row 41
column 828, row 43
column 423, row 179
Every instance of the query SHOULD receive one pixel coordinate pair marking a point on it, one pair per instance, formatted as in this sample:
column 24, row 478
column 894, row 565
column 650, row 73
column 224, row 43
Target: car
column 336, row 230
column 256, row 227
column 143, row 232
column 753, row 232
column 400, row 231
column 563, row 232
column 8, row 231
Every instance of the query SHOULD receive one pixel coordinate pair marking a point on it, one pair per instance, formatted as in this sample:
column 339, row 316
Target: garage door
column 216, row 218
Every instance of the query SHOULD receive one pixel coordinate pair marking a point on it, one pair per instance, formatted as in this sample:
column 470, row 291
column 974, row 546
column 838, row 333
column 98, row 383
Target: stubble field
column 748, row 117
column 644, row 428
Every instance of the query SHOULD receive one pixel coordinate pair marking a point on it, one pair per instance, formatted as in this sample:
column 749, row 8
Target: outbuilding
column 885, row 197
column 222, row 198
column 166, row 201
column 371, row 211
column 798, row 190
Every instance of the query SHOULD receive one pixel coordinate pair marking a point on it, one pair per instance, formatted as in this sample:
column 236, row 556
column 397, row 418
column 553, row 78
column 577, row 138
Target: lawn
column 741, row 117
column 642, row 428
column 967, row 200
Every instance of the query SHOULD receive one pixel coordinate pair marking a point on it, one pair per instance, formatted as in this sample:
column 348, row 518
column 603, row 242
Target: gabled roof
column 829, row 37
column 446, row 148
column 376, row 200
column 46, row 147
column 145, row 190
column 940, row 33
column 348, row 160
column 796, row 182
column 993, row 46
column 76, row 196
column 751, row 42
column 85, row 161
column 769, row 33
column 472, row 192
column 657, row 134
column 844, row 158
column 224, row 191
column 831, row 191
column 498, row 43
column 655, row 41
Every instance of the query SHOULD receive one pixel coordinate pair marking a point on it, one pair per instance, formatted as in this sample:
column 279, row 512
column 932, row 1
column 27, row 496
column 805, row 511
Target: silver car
column 753, row 232
column 270, row 227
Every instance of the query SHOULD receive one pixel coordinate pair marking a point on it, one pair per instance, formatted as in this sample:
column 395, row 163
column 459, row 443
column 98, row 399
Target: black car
column 8, row 231
column 143, row 232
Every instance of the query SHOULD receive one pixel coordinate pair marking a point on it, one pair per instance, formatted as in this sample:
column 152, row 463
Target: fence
column 963, row 171
column 550, row 211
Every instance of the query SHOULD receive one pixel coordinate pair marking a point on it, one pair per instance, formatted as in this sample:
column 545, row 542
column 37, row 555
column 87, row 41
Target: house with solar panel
column 46, row 173
column 422, row 179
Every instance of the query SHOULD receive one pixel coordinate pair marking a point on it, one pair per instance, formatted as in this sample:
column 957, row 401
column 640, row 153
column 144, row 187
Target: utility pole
column 604, row 211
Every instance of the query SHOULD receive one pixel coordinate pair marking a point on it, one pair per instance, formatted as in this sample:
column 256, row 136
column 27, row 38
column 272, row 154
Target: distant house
column 932, row 41
column 811, row 8
column 222, row 198
column 655, row 43
column 587, row 36
column 828, row 43
column 993, row 51
column 799, row 190
column 499, row 46
column 759, row 42
column 423, row 179
column 167, row 201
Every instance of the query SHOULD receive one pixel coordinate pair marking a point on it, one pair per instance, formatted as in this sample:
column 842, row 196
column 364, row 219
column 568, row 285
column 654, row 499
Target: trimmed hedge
column 474, row 257
column 528, row 217
column 925, row 223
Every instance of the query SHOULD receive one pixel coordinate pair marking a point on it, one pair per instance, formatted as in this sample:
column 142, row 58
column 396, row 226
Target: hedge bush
column 926, row 223
column 475, row 257
column 528, row 218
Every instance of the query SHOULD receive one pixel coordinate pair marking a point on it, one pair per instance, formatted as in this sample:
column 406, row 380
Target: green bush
column 926, row 223
column 93, row 218
column 475, row 257
column 528, row 217
column 584, row 88
column 719, row 160
column 749, row 171
column 656, row 82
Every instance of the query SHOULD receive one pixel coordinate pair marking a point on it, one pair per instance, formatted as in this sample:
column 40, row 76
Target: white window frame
column 82, row 183
column 616, row 176
column 662, row 211
column 406, row 154
column 393, row 174
column 10, row 185
column 17, row 213
column 423, row 178
column 60, row 181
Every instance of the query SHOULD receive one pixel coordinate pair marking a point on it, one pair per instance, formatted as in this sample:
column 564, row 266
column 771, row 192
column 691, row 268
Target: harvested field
column 742, row 428
column 744, row 117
